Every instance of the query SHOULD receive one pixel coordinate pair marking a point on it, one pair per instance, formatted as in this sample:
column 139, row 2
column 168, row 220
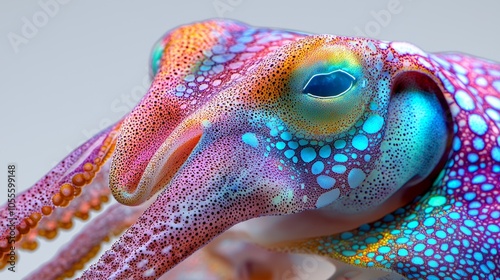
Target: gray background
column 59, row 88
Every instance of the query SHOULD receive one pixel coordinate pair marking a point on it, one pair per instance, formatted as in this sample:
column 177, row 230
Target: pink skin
column 208, row 146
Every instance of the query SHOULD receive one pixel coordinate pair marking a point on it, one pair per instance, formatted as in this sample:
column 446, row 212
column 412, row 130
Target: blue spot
column 475, row 204
column 346, row 235
column 293, row 145
column 373, row 124
column 325, row 182
column 360, row 142
column 490, row 264
column 280, row 145
column 367, row 157
column 402, row 240
column 495, row 214
column 273, row 132
column 441, row 234
column 479, row 179
column 403, row 252
column 495, row 153
column 384, row 250
column 470, row 223
column 464, row 100
column 223, row 58
column 348, row 253
column 453, row 184
column 450, row 258
column 472, row 157
column 478, row 256
column 496, row 103
column 356, row 177
column 412, row 224
column 218, row 49
column 237, row 48
column 289, row 153
column 454, row 215
column 340, row 158
column 434, row 264
column 339, row 169
column 493, row 228
column 456, row 144
column 250, row 139
column 317, row 167
column 430, row 221
column 371, row 240
column 308, row 154
column 417, row 260
column 477, row 124
column 470, row 196
column 286, row 136
column 465, row 230
column 339, row 144
column 478, row 143
column 325, row 151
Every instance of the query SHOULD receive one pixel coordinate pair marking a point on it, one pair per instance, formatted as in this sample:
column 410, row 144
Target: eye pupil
column 329, row 84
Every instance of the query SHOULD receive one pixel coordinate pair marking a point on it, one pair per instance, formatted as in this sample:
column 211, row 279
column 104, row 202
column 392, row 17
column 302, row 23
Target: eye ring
column 329, row 85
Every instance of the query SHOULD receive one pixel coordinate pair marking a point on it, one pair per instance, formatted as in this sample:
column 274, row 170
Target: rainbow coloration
column 244, row 122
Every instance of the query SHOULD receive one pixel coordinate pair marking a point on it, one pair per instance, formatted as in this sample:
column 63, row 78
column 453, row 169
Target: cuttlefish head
column 242, row 122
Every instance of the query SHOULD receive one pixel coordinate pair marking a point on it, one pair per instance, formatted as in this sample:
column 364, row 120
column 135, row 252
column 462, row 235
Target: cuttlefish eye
column 328, row 85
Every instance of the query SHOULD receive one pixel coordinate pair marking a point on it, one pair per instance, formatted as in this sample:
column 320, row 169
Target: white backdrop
column 68, row 70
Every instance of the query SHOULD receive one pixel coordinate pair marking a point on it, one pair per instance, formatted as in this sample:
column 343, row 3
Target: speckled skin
column 234, row 128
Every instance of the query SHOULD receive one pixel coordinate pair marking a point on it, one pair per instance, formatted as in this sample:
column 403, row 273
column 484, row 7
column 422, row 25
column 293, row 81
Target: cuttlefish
column 371, row 153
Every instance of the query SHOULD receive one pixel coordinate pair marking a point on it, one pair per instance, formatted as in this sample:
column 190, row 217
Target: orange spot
column 66, row 225
column 88, row 166
column 57, row 199
column 4, row 245
column 36, row 216
column 51, row 234
column 96, row 207
column 23, row 227
column 78, row 180
column 67, row 190
column 42, row 232
column 77, row 191
column 29, row 245
column 65, row 203
column 87, row 176
column 30, row 222
column 83, row 216
column 46, row 210
column 104, row 198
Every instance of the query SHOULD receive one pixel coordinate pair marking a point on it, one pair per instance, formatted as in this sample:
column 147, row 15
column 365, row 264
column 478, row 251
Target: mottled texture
column 242, row 122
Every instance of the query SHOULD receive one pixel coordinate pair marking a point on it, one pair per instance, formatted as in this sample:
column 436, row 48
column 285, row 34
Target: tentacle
column 56, row 189
column 90, row 198
column 87, row 243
